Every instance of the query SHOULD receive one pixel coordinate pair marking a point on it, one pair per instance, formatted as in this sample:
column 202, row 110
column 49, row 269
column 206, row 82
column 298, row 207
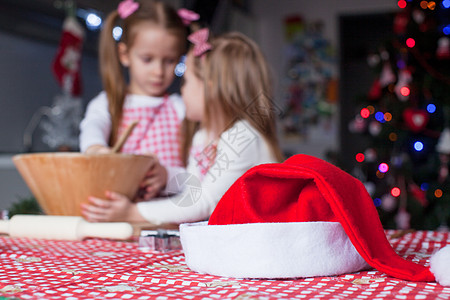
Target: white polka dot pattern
column 106, row 269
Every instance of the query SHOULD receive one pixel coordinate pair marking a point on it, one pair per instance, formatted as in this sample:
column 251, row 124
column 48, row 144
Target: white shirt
column 95, row 128
column 239, row 148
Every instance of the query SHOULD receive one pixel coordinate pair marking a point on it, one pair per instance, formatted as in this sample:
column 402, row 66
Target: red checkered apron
column 157, row 132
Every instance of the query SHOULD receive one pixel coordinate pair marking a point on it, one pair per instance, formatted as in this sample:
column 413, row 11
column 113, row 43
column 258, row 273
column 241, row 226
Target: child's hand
column 154, row 181
column 115, row 208
column 98, row 149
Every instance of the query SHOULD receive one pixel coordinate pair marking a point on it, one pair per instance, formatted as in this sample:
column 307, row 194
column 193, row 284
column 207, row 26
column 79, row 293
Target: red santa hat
column 301, row 218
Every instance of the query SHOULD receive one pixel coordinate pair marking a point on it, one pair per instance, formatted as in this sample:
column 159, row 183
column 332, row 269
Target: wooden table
column 106, row 269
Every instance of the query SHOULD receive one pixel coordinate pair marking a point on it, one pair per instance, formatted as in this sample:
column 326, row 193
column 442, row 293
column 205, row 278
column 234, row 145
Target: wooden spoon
column 118, row 145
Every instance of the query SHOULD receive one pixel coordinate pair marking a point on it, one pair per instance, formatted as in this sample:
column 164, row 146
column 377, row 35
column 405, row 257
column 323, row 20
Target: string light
column 395, row 191
column 387, row 117
column 180, row 68
column 371, row 109
column 424, row 186
column 405, row 91
column 446, row 30
column 379, row 116
column 424, row 4
column 117, row 33
column 431, row 108
column 360, row 157
column 410, row 42
column 380, row 175
column 446, row 3
column 438, row 193
column 401, row 3
column 418, row 146
column 383, row 167
column 365, row 113
column 393, row 136
column 377, row 202
column 431, row 5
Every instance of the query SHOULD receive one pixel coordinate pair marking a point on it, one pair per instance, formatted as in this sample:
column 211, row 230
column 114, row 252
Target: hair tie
column 200, row 41
column 126, row 8
column 187, row 16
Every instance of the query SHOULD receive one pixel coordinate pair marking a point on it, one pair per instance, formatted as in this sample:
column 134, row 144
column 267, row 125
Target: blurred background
column 362, row 84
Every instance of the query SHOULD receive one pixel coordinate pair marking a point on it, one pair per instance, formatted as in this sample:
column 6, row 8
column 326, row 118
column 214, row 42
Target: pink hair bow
column 187, row 16
column 126, row 8
column 200, row 41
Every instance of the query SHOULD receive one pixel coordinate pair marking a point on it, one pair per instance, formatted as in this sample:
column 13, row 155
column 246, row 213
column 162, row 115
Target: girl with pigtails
column 227, row 91
column 136, row 69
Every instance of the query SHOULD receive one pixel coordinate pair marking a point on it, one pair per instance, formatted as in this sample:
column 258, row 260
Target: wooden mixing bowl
column 62, row 181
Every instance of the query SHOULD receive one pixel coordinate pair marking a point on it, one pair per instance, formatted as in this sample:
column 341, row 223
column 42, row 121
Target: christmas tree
column 405, row 118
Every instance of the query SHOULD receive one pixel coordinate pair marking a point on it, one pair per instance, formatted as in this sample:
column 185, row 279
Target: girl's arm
column 95, row 128
column 239, row 149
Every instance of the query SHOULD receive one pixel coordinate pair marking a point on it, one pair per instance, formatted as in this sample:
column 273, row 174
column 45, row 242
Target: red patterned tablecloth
column 105, row 269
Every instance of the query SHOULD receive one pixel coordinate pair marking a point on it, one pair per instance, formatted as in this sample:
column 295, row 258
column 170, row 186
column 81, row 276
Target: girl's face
column 193, row 92
column 151, row 60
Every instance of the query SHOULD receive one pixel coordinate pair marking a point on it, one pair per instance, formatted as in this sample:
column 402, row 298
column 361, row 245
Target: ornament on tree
column 66, row 65
column 387, row 76
column 416, row 119
column 443, row 50
column 402, row 87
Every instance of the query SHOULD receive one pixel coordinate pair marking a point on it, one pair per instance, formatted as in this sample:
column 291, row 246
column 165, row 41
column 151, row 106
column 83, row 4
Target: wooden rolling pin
column 63, row 228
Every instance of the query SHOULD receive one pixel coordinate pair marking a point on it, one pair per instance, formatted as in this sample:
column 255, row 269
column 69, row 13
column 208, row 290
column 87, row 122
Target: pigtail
column 111, row 71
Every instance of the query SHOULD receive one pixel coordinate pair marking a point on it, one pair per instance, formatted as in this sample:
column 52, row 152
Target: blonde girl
column 227, row 90
column 136, row 69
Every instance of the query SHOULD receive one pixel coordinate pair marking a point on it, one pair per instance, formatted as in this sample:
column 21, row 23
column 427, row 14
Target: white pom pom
column 440, row 266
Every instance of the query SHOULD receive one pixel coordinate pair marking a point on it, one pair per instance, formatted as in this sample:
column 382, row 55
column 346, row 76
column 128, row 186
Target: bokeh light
column 360, row 157
column 387, row 117
column 401, row 3
column 410, row 42
column 446, row 3
column 438, row 193
column 431, row 108
column 383, row 167
column 405, row 91
column 117, row 33
column 393, row 136
column 365, row 113
column 377, row 202
column 395, row 191
column 418, row 146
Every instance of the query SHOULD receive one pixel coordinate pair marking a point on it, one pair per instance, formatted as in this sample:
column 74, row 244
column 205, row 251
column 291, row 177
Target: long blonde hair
column 240, row 86
column 111, row 70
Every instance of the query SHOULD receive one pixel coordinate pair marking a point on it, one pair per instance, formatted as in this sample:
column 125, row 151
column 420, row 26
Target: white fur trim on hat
column 270, row 250
column 440, row 266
